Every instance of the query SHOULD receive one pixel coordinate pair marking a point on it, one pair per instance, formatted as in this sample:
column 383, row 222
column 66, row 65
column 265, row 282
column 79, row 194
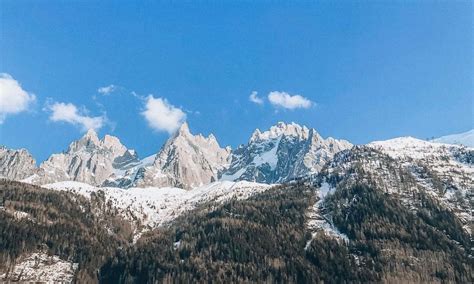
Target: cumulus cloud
column 69, row 113
column 161, row 115
column 107, row 89
column 255, row 99
column 13, row 99
column 287, row 101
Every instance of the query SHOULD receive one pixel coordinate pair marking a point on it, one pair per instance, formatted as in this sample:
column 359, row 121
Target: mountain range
column 280, row 154
column 398, row 210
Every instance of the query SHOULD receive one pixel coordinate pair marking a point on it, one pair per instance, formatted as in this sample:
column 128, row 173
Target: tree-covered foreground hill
column 33, row 219
column 265, row 238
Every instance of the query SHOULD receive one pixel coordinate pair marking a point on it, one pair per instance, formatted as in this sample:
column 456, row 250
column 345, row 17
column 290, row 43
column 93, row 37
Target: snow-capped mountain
column 16, row 164
column 452, row 164
column 284, row 152
column 278, row 155
column 192, row 160
column 185, row 161
column 386, row 195
column 408, row 168
column 88, row 160
column 466, row 139
column 446, row 172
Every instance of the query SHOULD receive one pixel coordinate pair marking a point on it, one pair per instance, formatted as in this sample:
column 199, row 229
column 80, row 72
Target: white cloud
column 255, row 99
column 285, row 100
column 161, row 115
column 135, row 95
column 13, row 99
column 107, row 89
column 69, row 113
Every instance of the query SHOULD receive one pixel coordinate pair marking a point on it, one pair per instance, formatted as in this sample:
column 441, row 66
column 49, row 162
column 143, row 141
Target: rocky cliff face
column 284, row 152
column 88, row 160
column 192, row 160
column 185, row 161
column 16, row 164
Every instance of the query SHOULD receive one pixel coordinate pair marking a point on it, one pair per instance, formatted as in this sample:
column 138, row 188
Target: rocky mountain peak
column 88, row 160
column 185, row 138
column 91, row 135
column 186, row 160
column 211, row 138
column 183, row 130
column 88, row 141
column 16, row 164
column 113, row 143
column 282, row 153
column 281, row 128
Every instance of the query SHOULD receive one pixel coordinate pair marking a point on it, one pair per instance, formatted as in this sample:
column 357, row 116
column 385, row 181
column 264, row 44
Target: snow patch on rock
column 41, row 267
column 318, row 221
column 155, row 207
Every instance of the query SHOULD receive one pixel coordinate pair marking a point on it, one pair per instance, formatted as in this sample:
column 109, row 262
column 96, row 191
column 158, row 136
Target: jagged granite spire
column 186, row 161
column 16, row 164
column 284, row 152
column 88, row 160
column 281, row 128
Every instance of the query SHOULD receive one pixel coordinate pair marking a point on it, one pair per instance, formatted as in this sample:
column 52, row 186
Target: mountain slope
column 36, row 223
column 148, row 208
column 445, row 172
column 127, row 177
column 375, row 201
column 256, row 240
column 283, row 153
column 265, row 238
column 466, row 139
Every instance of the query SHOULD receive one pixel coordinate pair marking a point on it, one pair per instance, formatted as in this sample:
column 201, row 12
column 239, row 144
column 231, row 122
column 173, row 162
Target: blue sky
column 369, row 70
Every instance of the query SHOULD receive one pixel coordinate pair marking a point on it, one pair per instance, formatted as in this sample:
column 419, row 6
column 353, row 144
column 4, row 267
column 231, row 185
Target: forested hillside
column 33, row 219
column 259, row 239
column 264, row 239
